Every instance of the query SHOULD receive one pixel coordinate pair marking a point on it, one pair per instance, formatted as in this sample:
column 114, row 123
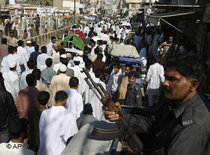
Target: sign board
column 206, row 17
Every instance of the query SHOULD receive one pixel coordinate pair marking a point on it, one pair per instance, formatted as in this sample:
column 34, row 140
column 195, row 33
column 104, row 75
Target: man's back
column 58, row 82
column 41, row 61
column 8, row 110
column 155, row 76
column 47, row 75
column 34, row 56
column 56, row 126
column 74, row 102
column 5, row 63
column 23, row 83
column 11, row 82
column 98, row 64
column 27, row 99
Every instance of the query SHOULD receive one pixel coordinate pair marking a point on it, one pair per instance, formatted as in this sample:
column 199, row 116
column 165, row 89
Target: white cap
column 96, row 39
column 63, row 56
column 68, row 55
column 77, row 58
column 28, row 42
column 12, row 64
column 62, row 68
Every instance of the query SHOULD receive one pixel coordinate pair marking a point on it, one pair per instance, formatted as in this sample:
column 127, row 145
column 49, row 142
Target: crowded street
column 106, row 78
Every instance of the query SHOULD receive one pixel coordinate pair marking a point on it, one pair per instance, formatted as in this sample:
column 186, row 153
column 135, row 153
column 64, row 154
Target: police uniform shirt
column 133, row 95
column 181, row 130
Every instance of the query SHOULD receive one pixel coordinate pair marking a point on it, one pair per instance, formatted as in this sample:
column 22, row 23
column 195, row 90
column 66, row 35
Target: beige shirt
column 123, row 88
column 12, row 41
column 41, row 86
column 59, row 82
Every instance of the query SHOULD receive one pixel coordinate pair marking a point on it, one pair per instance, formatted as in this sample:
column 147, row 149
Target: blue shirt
column 34, row 56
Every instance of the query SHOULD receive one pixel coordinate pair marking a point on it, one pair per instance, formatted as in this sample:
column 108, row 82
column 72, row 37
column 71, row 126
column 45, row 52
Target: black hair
column 97, row 50
column 117, row 65
column 36, row 47
column 76, row 63
column 130, row 66
column 53, row 37
column 10, row 49
column 62, row 51
column 60, row 96
column 43, row 97
column 189, row 66
column 156, row 59
column 20, row 43
column 4, row 41
column 134, row 74
column 87, row 48
column 31, row 64
column 44, row 49
column 74, row 82
column 64, row 61
column 98, row 73
column 33, row 43
column 30, row 80
column 49, row 62
column 88, row 64
column 37, row 74
column 17, row 127
column 92, row 41
column 99, row 56
column 88, row 109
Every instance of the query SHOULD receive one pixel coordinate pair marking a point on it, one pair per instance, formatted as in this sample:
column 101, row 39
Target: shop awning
column 155, row 18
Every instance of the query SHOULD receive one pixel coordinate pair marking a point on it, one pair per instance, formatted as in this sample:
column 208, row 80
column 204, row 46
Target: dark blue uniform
column 133, row 96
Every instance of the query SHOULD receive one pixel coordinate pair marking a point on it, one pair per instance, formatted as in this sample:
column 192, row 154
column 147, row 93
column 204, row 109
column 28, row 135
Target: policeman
column 133, row 95
column 181, row 126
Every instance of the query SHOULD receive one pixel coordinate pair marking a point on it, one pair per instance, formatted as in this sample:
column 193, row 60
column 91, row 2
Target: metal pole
column 171, row 25
column 74, row 7
column 74, row 11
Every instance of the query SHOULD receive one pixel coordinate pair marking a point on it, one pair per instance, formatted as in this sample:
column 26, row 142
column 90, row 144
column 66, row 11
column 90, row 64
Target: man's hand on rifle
column 111, row 115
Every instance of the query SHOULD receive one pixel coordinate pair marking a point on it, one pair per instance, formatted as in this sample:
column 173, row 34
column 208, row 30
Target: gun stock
column 127, row 132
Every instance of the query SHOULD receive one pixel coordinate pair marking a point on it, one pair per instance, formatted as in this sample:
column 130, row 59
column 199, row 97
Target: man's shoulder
column 201, row 115
column 136, row 86
column 196, row 114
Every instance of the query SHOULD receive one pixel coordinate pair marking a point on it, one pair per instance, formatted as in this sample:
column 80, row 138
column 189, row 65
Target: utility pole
column 74, row 7
column 74, row 11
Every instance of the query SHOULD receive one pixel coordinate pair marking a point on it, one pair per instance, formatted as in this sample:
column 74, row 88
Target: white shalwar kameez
column 41, row 61
column 11, row 82
column 74, row 102
column 56, row 125
column 82, row 83
column 91, row 98
column 23, row 56
column 23, row 83
column 77, row 71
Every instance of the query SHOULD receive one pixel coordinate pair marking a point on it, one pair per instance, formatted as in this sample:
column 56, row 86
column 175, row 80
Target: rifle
column 128, row 134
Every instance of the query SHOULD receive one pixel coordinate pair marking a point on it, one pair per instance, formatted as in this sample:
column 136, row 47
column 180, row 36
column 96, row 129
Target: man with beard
column 181, row 125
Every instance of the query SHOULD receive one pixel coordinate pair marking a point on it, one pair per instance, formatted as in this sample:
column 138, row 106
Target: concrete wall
column 2, row 3
column 58, row 3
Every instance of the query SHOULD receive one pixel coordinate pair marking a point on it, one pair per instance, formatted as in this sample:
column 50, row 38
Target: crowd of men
column 45, row 99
